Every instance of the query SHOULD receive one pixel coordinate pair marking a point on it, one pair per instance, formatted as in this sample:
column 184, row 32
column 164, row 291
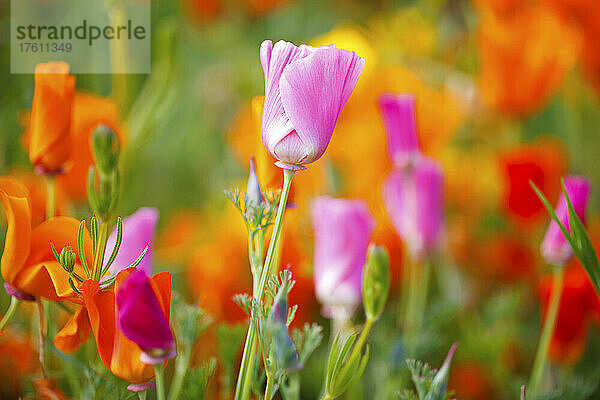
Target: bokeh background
column 507, row 91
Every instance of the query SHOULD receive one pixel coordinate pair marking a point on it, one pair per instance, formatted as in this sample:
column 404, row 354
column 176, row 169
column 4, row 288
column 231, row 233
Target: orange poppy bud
column 50, row 125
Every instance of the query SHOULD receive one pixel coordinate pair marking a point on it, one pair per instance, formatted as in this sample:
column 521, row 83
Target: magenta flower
column 399, row 120
column 138, row 232
column 555, row 249
column 414, row 200
column 305, row 91
column 142, row 320
column 342, row 229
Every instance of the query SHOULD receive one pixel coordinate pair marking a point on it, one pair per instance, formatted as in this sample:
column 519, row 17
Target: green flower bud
column 376, row 281
column 105, row 147
column 67, row 259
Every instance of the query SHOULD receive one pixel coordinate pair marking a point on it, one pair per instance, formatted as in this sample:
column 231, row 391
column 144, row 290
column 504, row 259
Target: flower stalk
column 548, row 329
column 160, row 382
column 14, row 304
column 243, row 382
column 50, row 195
column 418, row 278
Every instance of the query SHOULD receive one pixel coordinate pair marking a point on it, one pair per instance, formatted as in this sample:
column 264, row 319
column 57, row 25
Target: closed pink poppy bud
column 142, row 319
column 400, row 122
column 342, row 230
column 555, row 249
column 305, row 91
column 414, row 200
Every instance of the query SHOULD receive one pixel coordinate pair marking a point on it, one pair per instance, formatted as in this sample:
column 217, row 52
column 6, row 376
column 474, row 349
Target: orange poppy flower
column 47, row 389
column 50, row 125
column 28, row 263
column 219, row 268
column 89, row 111
column 119, row 354
column 524, row 58
column 470, row 380
column 17, row 359
column 543, row 161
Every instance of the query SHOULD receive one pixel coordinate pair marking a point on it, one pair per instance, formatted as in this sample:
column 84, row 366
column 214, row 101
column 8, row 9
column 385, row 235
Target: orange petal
column 46, row 390
column 88, row 112
column 75, row 332
column 43, row 275
column 100, row 306
column 50, row 124
column 15, row 198
column 118, row 353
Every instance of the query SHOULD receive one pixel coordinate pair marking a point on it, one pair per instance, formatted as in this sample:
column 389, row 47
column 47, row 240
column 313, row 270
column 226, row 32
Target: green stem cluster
column 242, row 389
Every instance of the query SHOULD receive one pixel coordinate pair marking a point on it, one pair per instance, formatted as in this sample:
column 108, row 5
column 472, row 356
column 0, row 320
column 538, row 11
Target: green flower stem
column 50, row 196
column 119, row 58
column 181, row 365
column 287, row 182
column 547, row 331
column 326, row 396
column 270, row 386
column 14, row 303
column 42, row 337
column 160, row 382
column 416, row 302
column 142, row 395
column 243, row 382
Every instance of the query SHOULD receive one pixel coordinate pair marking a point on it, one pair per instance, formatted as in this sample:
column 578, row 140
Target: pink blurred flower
column 342, row 230
column 399, row 119
column 414, row 199
column 142, row 319
column 138, row 232
column 555, row 249
column 305, row 91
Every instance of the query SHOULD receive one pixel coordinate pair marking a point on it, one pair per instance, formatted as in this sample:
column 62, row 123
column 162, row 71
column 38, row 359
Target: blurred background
column 507, row 91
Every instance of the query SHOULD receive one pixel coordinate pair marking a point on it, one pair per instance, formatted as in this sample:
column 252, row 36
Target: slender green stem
column 142, row 395
column 181, row 366
column 269, row 391
column 326, row 396
column 243, row 385
column 416, row 302
column 547, row 331
column 119, row 59
column 14, row 303
column 42, row 337
column 160, row 382
column 287, row 182
column 50, row 196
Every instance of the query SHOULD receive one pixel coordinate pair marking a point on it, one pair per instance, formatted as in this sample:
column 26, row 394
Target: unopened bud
column 67, row 259
column 376, row 281
column 105, row 147
column 253, row 192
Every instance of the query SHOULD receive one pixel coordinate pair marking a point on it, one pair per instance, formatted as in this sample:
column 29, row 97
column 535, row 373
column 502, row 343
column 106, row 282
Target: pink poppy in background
column 342, row 229
column 138, row 232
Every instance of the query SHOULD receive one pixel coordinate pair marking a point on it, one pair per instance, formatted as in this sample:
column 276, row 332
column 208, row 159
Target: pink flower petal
column 314, row 90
